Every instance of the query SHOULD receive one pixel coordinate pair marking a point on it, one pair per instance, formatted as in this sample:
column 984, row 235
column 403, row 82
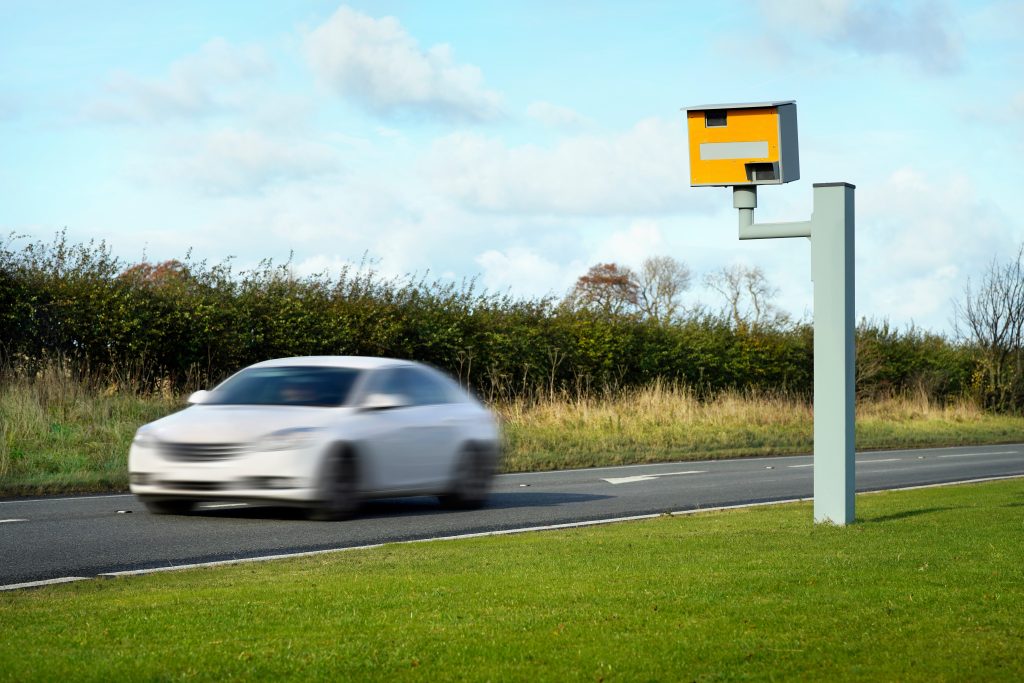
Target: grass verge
column 59, row 435
column 928, row 585
column 665, row 423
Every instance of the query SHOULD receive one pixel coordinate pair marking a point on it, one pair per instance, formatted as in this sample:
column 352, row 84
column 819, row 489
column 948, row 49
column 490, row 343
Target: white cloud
column 378, row 64
column 525, row 272
column 231, row 161
column 918, row 238
column 554, row 116
column 631, row 246
column 200, row 84
column 644, row 170
column 923, row 31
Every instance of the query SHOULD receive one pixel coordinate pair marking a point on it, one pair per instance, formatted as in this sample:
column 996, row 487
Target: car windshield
column 286, row 386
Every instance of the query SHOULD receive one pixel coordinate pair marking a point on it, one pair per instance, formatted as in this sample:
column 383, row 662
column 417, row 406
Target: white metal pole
column 832, row 250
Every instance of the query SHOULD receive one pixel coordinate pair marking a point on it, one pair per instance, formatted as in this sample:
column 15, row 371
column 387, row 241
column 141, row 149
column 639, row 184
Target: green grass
column 928, row 585
column 58, row 435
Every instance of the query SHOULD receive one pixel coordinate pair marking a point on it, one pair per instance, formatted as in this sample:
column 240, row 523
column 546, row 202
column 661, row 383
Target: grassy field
column 927, row 586
column 58, row 435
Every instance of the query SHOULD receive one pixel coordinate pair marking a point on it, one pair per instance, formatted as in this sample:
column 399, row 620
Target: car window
column 286, row 386
column 418, row 386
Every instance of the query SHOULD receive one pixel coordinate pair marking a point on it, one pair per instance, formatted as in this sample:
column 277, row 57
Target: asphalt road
column 85, row 536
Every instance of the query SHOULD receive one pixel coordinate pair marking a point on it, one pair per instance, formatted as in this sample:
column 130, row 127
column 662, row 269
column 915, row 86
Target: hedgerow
column 192, row 324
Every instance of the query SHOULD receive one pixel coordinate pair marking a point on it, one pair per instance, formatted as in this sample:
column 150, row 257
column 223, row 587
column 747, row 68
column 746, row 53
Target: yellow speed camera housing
column 743, row 144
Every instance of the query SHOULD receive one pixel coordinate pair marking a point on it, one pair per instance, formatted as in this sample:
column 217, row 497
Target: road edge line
column 480, row 534
column 44, row 582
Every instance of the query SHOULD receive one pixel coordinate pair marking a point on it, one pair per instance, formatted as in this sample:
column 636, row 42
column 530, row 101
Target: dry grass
column 60, row 432
column 666, row 422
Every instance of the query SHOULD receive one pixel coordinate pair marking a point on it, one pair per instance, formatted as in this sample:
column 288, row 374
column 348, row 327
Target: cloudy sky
column 516, row 142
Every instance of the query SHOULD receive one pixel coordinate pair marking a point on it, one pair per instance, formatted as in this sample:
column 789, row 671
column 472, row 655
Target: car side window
column 417, row 386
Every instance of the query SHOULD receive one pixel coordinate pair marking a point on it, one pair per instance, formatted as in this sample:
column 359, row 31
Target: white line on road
column 7, row 521
column 793, row 467
column 502, row 532
column 456, row 537
column 47, row 582
column 51, row 500
column 868, row 462
column 649, row 477
column 224, row 505
column 971, row 455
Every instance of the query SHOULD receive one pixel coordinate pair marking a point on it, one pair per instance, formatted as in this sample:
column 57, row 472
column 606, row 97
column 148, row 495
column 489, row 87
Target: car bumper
column 283, row 476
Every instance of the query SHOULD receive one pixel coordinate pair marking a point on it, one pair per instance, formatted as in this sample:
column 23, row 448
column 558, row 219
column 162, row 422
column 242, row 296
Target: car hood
column 239, row 424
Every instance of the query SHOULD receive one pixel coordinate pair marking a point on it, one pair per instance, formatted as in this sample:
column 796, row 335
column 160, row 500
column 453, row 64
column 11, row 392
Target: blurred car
column 322, row 432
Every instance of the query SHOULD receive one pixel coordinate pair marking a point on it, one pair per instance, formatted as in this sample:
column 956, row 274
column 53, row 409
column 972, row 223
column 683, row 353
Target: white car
column 322, row 432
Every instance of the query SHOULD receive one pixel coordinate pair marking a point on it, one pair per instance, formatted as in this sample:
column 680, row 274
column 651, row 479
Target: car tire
column 169, row 506
column 472, row 482
column 340, row 488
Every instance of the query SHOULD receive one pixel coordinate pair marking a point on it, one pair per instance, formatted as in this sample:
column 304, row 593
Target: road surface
column 86, row 536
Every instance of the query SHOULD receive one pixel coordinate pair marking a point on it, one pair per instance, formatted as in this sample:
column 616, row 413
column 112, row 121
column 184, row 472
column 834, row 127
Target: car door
column 411, row 446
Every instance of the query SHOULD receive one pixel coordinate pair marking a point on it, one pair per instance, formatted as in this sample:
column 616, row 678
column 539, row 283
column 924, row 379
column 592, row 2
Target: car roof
column 354, row 362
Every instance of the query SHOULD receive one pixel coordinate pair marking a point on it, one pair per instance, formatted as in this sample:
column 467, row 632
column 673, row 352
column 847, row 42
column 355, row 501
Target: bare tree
column 747, row 295
column 660, row 282
column 607, row 288
column 991, row 316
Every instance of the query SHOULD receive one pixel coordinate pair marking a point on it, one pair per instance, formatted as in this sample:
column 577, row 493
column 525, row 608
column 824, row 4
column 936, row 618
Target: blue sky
column 519, row 143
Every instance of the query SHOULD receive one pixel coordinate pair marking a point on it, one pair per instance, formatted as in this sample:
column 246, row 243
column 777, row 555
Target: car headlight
column 145, row 439
column 289, row 439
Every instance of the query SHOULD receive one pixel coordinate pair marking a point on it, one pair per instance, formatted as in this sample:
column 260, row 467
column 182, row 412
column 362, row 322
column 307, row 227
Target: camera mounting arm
column 744, row 198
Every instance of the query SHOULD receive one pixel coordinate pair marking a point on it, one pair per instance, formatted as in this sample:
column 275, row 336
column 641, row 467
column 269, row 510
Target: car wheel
column 170, row 506
column 340, row 488
column 472, row 481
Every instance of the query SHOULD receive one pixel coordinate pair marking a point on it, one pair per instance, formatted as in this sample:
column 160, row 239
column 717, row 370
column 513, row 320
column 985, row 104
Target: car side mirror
column 384, row 401
column 198, row 397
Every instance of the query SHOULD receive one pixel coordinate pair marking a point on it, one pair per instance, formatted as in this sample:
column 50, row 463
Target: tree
column 606, row 288
column 653, row 293
column 659, row 283
column 748, row 296
column 157, row 275
column 991, row 316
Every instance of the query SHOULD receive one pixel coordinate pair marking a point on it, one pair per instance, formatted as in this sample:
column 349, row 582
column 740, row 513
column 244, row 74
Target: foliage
column 606, row 288
column 650, row 294
column 191, row 324
column 991, row 317
column 59, row 434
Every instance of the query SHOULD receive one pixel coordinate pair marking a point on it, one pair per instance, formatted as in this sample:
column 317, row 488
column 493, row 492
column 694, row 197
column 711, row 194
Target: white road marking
column 947, row 483
column 501, row 532
column 7, row 521
column 51, row 500
column 456, row 537
column 46, row 582
column 224, row 505
column 793, row 467
column 868, row 462
column 649, row 477
column 971, row 455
